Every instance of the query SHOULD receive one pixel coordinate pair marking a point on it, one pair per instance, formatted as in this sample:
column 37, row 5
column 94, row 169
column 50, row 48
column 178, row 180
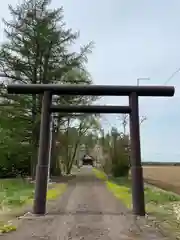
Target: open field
column 162, row 207
column 165, row 177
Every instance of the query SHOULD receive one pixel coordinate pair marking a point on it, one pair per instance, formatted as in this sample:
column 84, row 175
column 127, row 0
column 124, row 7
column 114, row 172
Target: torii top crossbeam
column 95, row 90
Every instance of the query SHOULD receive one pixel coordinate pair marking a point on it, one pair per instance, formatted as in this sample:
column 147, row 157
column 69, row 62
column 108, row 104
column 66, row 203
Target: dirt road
column 86, row 211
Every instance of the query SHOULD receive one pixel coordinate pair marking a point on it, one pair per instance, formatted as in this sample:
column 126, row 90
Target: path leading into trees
column 86, row 211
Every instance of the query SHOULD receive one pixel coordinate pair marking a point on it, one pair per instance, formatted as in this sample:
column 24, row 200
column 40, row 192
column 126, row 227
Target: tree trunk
column 55, row 169
column 72, row 159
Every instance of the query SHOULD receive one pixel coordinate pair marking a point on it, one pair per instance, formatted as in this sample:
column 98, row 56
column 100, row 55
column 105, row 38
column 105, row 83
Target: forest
column 38, row 50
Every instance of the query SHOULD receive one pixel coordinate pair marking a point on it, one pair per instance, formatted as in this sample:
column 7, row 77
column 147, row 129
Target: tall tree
column 37, row 50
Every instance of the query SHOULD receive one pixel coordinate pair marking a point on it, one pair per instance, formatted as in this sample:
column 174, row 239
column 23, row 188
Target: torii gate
column 133, row 92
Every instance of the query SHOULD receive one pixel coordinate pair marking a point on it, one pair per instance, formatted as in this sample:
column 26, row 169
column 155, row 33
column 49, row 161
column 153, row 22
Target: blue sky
column 133, row 39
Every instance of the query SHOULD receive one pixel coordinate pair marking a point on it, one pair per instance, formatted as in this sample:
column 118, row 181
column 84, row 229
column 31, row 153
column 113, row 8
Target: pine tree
column 37, row 50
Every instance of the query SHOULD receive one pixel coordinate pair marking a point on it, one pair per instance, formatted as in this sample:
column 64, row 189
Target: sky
column 133, row 39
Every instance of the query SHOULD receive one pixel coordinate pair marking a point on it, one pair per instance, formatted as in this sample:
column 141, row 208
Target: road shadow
column 88, row 212
column 63, row 179
column 74, row 179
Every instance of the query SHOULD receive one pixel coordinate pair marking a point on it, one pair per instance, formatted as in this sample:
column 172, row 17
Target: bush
column 121, row 166
column 107, row 166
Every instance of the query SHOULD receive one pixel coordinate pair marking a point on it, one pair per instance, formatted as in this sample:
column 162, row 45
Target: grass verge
column 164, row 206
column 16, row 195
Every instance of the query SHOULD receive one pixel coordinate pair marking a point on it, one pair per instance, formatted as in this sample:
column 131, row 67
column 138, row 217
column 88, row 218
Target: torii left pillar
column 43, row 158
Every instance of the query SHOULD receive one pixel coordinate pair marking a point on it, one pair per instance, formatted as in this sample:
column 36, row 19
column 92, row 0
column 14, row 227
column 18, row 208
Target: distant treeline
column 161, row 163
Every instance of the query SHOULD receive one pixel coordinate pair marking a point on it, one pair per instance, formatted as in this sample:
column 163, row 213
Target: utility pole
column 142, row 79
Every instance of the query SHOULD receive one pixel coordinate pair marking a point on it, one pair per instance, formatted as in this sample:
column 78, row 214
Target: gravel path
column 86, row 211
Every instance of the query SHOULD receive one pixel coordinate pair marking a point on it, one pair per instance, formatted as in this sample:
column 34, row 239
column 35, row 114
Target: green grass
column 99, row 174
column 8, row 227
column 122, row 191
column 121, row 187
column 16, row 193
column 159, row 203
column 153, row 195
column 56, row 191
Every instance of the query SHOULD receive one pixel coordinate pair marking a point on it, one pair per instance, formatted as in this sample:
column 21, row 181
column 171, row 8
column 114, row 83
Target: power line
column 172, row 76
